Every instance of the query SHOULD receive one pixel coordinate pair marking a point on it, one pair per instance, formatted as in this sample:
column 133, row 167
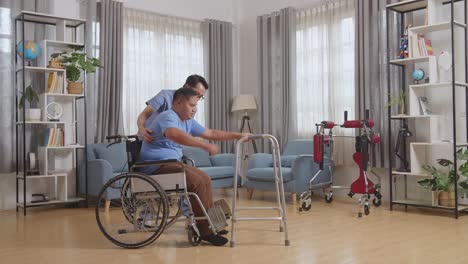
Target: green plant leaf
column 30, row 95
column 464, row 184
column 427, row 183
column 444, row 162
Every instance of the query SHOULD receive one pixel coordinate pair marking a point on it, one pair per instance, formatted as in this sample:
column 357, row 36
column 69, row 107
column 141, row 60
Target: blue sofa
column 297, row 166
column 105, row 163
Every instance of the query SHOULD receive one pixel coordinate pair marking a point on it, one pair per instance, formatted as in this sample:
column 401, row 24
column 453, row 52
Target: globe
column 418, row 75
column 31, row 50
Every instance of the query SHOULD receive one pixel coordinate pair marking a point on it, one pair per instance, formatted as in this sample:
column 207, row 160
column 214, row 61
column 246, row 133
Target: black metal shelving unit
column 22, row 173
column 402, row 8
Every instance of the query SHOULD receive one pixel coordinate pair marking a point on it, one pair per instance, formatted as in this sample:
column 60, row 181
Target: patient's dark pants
column 200, row 183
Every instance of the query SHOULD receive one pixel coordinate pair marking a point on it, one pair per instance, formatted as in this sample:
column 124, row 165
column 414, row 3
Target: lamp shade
column 244, row 102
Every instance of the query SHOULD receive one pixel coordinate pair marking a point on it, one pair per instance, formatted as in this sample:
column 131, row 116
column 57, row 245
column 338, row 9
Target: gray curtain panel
column 109, row 101
column 10, row 9
column 371, row 69
column 276, row 48
column 218, row 54
column 91, row 11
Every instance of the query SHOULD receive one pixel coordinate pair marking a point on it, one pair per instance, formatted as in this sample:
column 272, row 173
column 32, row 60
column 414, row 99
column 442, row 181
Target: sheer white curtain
column 325, row 71
column 159, row 53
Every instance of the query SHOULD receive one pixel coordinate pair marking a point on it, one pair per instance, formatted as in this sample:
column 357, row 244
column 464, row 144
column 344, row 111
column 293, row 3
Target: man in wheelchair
column 170, row 131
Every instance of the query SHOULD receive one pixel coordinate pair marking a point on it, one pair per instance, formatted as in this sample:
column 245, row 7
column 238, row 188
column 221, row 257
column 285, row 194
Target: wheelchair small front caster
column 306, row 205
column 359, row 214
column 366, row 209
column 329, row 197
column 377, row 202
column 193, row 237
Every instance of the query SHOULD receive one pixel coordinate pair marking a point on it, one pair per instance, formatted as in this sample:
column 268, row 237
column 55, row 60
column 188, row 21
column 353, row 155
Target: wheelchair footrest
column 224, row 205
column 218, row 218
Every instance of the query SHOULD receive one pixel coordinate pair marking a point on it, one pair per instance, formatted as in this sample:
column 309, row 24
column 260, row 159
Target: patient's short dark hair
column 184, row 92
column 192, row 81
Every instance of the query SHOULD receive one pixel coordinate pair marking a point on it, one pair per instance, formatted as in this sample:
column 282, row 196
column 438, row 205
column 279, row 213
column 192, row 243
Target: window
column 5, row 37
column 325, row 66
column 159, row 53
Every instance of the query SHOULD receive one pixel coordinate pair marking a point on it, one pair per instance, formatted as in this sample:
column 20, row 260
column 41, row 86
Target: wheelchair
column 133, row 209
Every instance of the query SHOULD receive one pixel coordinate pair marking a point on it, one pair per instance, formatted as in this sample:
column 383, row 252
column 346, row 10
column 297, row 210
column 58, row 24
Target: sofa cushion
column 219, row 172
column 299, row 146
column 266, row 174
column 116, row 155
column 90, row 152
column 288, row 160
column 199, row 156
column 223, row 159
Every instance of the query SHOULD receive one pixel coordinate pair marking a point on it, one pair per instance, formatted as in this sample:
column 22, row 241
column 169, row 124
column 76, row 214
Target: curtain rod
column 165, row 15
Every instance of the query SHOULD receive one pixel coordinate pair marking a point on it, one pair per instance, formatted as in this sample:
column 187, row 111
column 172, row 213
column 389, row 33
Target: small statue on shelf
column 403, row 52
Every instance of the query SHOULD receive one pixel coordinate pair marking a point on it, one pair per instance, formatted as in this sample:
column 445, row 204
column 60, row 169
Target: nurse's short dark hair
column 185, row 93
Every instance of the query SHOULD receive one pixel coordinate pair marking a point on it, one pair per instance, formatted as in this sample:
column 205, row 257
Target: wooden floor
column 329, row 233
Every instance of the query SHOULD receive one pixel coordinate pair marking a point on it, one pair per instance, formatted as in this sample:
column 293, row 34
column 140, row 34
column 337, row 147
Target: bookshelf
column 438, row 133
column 54, row 142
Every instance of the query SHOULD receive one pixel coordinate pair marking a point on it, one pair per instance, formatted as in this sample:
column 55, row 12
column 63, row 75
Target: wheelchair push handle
column 118, row 139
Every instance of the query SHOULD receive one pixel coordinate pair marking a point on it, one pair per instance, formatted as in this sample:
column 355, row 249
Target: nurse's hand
column 146, row 134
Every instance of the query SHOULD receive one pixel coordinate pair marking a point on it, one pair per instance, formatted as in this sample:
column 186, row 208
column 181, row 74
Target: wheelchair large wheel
column 132, row 210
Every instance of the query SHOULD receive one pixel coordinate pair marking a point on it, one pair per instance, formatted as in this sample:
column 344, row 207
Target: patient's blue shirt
column 162, row 148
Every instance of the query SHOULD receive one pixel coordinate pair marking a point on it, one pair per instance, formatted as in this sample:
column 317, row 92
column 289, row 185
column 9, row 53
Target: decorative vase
column 55, row 63
column 33, row 114
column 75, row 87
column 401, row 110
column 447, row 199
column 435, row 198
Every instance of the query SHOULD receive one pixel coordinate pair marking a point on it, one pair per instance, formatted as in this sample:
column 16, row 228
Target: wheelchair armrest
column 185, row 159
column 156, row 162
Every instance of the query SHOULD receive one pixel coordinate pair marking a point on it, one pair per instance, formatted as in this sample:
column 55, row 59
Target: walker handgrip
column 256, row 136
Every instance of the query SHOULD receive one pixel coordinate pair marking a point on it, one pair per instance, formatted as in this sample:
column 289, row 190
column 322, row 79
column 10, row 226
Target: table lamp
column 245, row 103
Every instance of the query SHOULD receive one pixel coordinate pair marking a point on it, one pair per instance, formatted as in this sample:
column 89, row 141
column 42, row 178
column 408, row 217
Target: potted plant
column 399, row 101
column 75, row 62
column 32, row 114
column 444, row 181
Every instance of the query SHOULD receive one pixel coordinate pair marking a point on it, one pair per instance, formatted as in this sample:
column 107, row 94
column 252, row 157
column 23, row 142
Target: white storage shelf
column 413, row 116
column 410, row 61
column 435, row 27
column 60, row 190
column 53, row 202
column 50, row 19
column 39, row 69
column 428, row 204
column 67, row 147
column 411, row 174
column 40, row 123
column 408, row 6
column 64, row 95
column 64, row 45
column 56, row 164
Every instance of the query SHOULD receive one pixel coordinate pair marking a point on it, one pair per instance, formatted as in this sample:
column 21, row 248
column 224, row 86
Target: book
column 51, row 81
column 424, row 105
column 429, row 49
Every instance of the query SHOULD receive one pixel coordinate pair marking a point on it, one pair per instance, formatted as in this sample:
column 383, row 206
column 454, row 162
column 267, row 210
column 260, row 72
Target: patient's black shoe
column 223, row 232
column 215, row 240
